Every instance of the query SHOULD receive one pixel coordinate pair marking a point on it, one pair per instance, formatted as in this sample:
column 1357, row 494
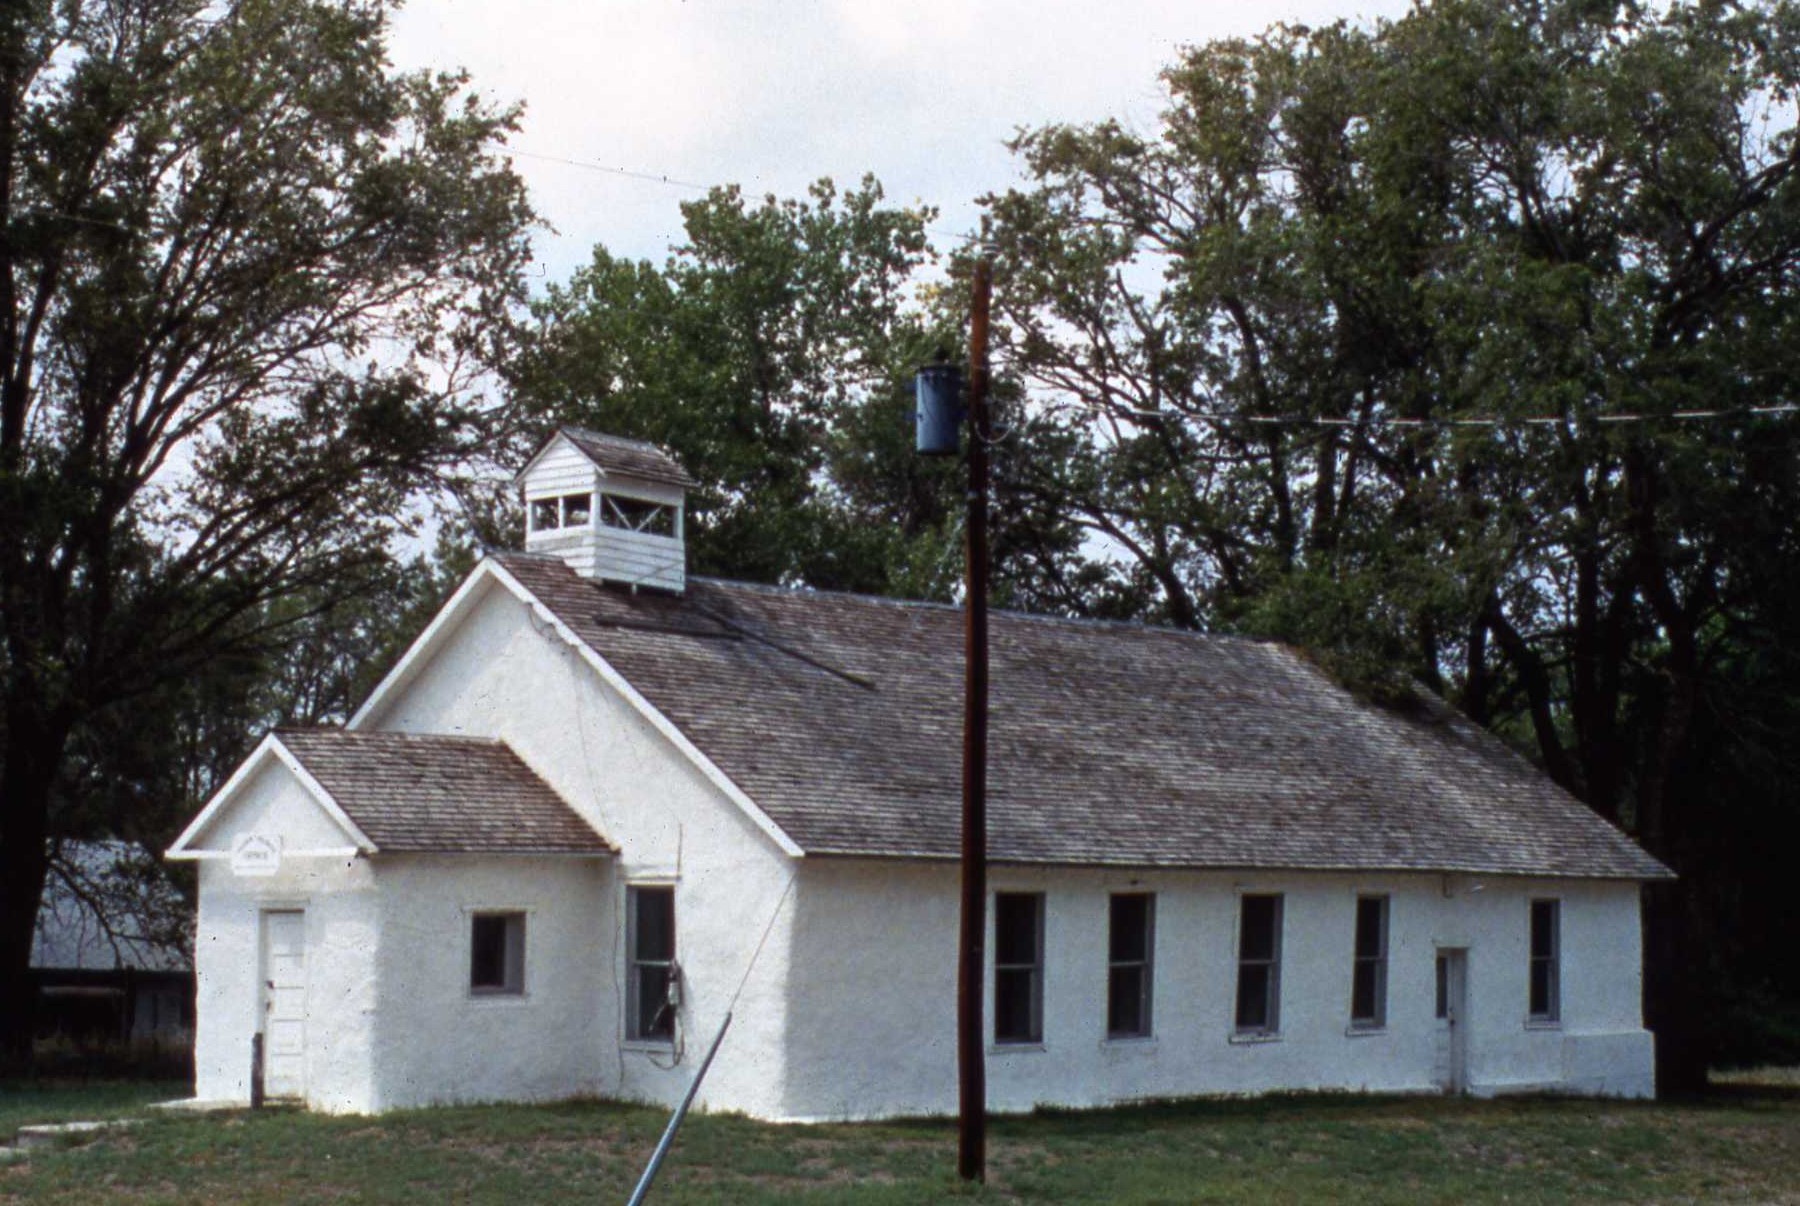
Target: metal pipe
column 971, row 1156
column 668, row 1137
column 256, row 1071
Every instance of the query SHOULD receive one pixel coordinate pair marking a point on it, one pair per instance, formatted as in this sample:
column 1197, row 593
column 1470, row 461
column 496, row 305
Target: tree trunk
column 1675, row 971
column 29, row 769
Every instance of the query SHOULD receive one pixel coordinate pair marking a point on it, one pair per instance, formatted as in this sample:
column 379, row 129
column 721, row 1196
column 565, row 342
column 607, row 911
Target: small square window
column 497, row 954
column 545, row 515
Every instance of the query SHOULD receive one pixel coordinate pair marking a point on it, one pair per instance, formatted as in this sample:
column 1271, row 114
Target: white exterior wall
column 435, row 1040
column 872, row 1000
column 343, row 935
column 497, row 674
column 851, row 1010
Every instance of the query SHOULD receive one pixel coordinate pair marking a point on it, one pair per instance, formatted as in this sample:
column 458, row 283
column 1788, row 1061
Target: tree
column 773, row 354
column 772, row 327
column 1349, row 339
column 246, row 273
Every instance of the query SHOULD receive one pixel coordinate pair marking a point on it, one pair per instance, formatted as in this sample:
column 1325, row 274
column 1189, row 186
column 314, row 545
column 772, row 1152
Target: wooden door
column 284, row 1002
column 1453, row 1019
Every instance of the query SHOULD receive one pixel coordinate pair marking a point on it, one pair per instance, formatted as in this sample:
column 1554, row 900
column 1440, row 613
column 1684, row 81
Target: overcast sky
column 773, row 94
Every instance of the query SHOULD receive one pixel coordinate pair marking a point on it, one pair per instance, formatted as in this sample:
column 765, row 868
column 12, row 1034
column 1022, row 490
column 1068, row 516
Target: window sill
column 1354, row 1031
column 1015, row 1048
column 1252, row 1038
column 1543, row 1023
column 1129, row 1040
column 648, row 1046
column 497, row 997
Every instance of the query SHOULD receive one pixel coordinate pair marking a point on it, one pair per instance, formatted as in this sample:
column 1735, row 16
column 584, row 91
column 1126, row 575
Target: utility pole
column 938, row 416
column 971, row 1154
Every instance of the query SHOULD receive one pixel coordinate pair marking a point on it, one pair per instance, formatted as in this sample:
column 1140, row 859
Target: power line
column 1384, row 421
column 691, row 186
column 627, row 173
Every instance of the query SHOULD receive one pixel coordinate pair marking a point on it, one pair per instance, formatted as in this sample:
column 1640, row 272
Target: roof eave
column 1097, row 863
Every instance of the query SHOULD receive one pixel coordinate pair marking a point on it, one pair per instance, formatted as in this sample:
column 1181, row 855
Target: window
column 1443, row 987
column 1546, row 959
column 1018, row 967
column 1368, row 980
column 654, row 976
column 636, row 515
column 569, row 511
column 497, row 954
column 1259, row 965
column 1129, row 949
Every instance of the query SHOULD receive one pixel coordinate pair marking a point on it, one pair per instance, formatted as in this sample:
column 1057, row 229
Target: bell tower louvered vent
column 613, row 508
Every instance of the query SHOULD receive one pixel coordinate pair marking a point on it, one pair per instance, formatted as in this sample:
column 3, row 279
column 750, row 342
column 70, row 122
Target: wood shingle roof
column 411, row 793
column 633, row 458
column 1111, row 744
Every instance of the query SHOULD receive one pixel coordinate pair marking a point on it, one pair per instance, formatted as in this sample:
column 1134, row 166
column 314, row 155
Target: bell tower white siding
column 607, row 523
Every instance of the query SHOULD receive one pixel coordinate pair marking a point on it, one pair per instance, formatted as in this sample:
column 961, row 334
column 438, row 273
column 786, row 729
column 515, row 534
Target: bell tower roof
column 618, row 455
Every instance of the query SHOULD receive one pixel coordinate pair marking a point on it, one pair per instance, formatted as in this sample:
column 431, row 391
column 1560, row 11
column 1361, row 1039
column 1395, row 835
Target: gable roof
column 616, row 454
column 413, row 793
column 1110, row 744
column 109, row 906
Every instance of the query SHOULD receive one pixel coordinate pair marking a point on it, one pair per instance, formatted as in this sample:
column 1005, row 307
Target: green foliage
column 1283, row 324
column 247, row 272
column 770, row 355
column 774, row 355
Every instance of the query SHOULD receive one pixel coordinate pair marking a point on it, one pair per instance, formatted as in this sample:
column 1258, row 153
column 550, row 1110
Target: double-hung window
column 1546, row 961
column 1130, row 948
column 652, row 993
column 1259, row 965
column 1018, row 967
column 497, row 954
column 1368, row 978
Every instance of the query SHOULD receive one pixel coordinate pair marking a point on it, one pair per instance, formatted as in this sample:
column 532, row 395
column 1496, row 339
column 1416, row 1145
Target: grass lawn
column 1742, row 1144
column 58, row 1100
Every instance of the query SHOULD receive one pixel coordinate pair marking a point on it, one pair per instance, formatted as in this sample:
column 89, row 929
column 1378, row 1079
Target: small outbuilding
column 109, row 954
column 599, row 802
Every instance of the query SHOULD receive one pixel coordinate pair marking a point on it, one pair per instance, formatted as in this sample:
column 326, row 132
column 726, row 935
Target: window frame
column 1033, row 972
column 1270, row 1027
column 513, row 939
column 1376, row 963
column 1549, row 960
column 609, row 513
column 637, row 1030
column 1115, row 965
column 560, row 503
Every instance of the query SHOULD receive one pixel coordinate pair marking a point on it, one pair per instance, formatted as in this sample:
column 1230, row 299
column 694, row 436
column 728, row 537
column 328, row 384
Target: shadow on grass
column 1744, row 1096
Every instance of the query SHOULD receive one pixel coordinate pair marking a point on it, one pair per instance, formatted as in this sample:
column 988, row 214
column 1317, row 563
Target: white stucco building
column 541, row 857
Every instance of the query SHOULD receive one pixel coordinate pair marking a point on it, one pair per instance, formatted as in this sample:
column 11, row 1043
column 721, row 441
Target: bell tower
column 613, row 508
